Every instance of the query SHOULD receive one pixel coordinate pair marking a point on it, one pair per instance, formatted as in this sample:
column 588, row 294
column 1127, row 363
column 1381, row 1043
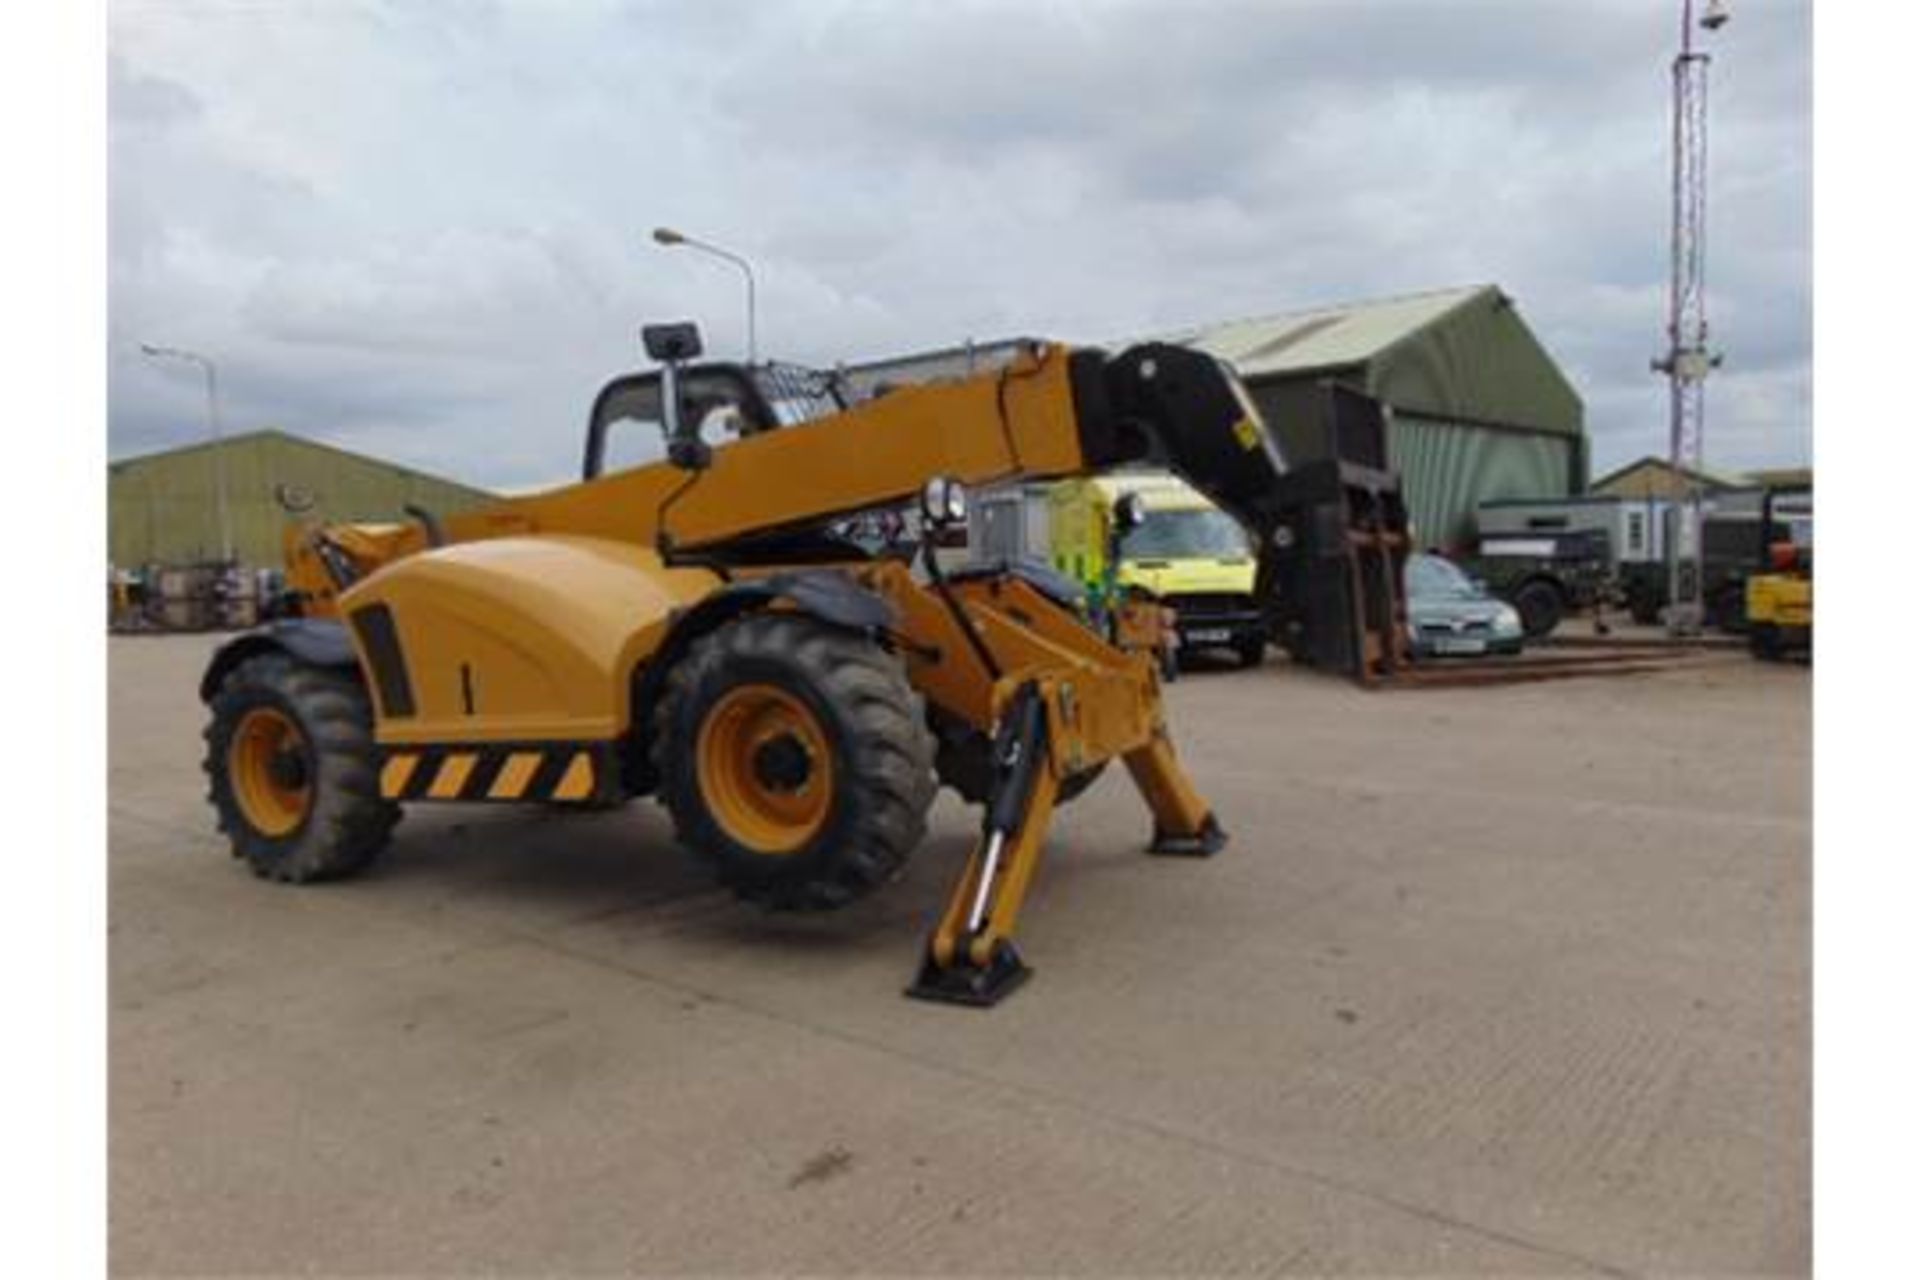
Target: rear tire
column 1539, row 606
column 293, row 771
column 795, row 760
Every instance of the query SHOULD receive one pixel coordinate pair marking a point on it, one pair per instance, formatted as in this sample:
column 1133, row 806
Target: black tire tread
column 1540, row 607
column 350, row 823
column 893, row 777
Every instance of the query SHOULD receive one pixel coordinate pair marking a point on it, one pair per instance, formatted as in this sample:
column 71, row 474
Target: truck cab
column 1190, row 555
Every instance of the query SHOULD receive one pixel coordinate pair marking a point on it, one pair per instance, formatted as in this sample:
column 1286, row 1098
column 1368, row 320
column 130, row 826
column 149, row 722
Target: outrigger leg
column 971, row 958
column 1183, row 826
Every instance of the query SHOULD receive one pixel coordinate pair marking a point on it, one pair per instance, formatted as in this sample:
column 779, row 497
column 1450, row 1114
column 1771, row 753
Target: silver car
column 1449, row 613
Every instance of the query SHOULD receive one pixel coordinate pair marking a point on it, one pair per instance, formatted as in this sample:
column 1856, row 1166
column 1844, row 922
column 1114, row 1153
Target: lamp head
column 943, row 502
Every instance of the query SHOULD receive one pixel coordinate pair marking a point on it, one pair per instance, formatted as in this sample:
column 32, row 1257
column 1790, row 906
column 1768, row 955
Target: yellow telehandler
column 1779, row 594
column 698, row 629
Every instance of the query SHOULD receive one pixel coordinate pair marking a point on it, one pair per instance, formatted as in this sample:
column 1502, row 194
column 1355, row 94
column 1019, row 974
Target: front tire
column 795, row 760
column 293, row 771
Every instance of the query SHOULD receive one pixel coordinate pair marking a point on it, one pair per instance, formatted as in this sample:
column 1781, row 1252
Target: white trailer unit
column 1635, row 527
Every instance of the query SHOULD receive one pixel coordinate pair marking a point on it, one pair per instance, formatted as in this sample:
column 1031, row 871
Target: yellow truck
column 1187, row 552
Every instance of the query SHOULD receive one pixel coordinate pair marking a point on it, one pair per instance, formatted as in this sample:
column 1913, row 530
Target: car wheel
column 1539, row 606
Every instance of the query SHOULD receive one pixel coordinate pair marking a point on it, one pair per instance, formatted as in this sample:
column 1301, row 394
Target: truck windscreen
column 1188, row 534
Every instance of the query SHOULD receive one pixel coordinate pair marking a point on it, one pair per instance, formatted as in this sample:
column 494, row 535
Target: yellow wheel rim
column 271, row 770
column 766, row 769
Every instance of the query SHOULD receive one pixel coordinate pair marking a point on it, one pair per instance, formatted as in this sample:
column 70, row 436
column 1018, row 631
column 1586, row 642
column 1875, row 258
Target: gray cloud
column 419, row 228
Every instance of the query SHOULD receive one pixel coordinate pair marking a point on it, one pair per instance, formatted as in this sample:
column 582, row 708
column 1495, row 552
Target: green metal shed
column 1480, row 410
column 162, row 507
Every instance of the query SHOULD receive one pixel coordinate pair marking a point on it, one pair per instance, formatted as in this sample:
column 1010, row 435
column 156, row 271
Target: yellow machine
column 698, row 630
column 1184, row 551
column 1780, row 596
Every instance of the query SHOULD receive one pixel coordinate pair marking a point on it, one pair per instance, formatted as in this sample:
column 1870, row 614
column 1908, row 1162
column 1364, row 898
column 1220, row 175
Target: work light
column 944, row 500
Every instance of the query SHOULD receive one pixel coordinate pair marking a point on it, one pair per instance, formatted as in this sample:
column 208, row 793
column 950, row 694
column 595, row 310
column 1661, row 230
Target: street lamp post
column 670, row 238
column 213, row 429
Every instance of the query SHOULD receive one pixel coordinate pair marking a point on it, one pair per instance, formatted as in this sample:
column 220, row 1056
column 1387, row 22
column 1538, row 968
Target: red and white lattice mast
column 1687, row 360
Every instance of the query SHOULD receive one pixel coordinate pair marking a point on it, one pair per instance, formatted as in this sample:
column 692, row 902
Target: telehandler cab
column 695, row 629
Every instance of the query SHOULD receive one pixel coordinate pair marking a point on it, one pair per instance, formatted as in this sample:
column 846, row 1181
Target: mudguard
column 319, row 642
column 827, row 595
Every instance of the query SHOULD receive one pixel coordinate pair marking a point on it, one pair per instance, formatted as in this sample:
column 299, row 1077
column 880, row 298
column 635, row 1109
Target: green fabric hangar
column 1479, row 409
column 163, row 508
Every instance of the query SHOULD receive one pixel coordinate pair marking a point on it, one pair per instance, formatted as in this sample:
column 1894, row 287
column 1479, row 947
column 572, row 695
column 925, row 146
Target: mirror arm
column 685, row 449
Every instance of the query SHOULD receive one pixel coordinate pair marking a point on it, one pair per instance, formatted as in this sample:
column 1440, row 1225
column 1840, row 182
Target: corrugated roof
column 1706, row 475
column 1324, row 337
column 1782, row 477
column 1327, row 337
column 243, row 439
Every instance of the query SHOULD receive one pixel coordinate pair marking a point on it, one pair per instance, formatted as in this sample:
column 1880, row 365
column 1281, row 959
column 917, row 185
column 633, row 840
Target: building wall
column 1448, row 469
column 1480, row 412
column 162, row 508
column 1479, row 363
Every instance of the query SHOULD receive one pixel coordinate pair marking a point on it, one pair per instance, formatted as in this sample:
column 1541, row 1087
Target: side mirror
column 673, row 345
column 1129, row 513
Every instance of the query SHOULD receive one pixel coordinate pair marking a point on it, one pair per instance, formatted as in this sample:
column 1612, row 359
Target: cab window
column 1190, row 534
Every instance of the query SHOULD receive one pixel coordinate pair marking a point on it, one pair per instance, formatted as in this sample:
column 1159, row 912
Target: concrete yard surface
column 1506, row 980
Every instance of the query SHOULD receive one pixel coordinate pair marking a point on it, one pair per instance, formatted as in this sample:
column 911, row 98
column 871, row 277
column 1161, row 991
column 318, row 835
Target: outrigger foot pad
column 1204, row 843
column 962, row 983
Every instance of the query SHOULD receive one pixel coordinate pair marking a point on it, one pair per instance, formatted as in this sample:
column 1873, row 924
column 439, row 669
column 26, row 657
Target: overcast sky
column 418, row 228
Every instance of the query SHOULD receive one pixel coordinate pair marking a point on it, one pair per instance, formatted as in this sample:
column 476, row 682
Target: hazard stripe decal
column 516, row 771
column 577, row 782
column 447, row 784
column 506, row 771
column 395, row 775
